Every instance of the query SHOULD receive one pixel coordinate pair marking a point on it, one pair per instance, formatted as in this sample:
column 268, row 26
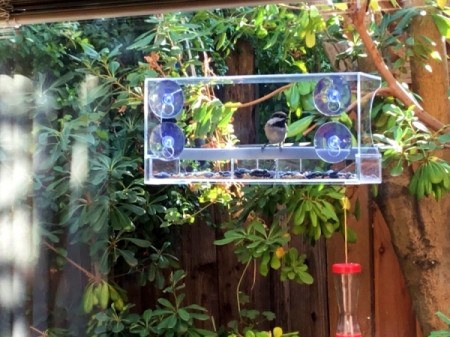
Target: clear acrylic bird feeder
column 337, row 153
column 346, row 282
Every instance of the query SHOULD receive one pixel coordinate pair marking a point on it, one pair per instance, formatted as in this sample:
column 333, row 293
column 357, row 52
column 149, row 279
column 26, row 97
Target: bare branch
column 396, row 88
column 264, row 98
column 88, row 274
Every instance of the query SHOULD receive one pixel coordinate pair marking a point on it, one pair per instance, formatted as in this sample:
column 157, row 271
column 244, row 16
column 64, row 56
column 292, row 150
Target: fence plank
column 308, row 304
column 199, row 260
column 394, row 316
column 361, row 252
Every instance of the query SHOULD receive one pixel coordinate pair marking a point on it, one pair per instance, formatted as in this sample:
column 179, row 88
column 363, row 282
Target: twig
column 239, row 286
column 264, row 98
column 41, row 333
column 386, row 91
column 89, row 275
column 308, row 130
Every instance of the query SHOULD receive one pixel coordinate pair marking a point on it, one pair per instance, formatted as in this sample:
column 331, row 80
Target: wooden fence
column 384, row 308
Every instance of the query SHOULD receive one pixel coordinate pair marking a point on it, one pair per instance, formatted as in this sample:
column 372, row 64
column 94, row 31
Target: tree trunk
column 420, row 230
column 421, row 237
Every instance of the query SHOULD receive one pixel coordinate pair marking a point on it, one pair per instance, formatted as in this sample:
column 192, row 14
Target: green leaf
column 113, row 66
column 128, row 257
column 230, row 236
column 305, row 87
column 142, row 41
column 264, row 265
column 357, row 211
column 258, row 227
column 120, row 220
column 397, row 170
column 444, row 138
column 184, row 315
column 300, row 126
column 272, row 40
column 147, row 315
column 310, row 39
column 443, row 318
column 294, row 99
column 134, row 209
column 139, row 242
column 306, row 278
column 221, row 40
column 313, row 217
column 441, row 3
column 117, row 327
column 351, row 235
column 299, row 215
column 165, row 303
column 61, row 80
column 443, row 24
column 168, row 323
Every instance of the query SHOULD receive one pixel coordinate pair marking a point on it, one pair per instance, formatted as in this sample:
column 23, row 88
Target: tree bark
column 430, row 77
column 420, row 230
column 421, row 237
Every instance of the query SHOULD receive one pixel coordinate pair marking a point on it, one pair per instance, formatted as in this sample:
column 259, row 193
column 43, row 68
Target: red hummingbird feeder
column 346, row 282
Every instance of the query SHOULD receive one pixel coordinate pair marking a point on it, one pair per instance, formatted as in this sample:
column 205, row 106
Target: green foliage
column 174, row 319
column 208, row 116
column 88, row 131
column 309, row 210
column 406, row 141
column 442, row 333
column 443, row 24
column 88, row 181
column 314, row 210
column 169, row 318
column 100, row 294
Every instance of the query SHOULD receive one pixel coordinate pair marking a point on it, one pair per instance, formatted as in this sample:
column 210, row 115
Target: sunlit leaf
column 310, row 39
column 441, row 3
column 374, row 5
column 435, row 55
column 443, row 24
column 342, row 6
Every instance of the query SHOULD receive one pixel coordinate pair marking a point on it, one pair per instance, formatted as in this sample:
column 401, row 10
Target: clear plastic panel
column 338, row 154
column 347, row 291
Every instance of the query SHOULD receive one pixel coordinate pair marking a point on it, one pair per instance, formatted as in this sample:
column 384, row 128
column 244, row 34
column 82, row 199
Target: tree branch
column 88, row 274
column 264, row 98
column 396, row 88
column 41, row 333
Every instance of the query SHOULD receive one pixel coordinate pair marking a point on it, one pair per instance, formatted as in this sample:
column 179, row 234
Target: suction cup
column 333, row 142
column 166, row 141
column 332, row 95
column 165, row 99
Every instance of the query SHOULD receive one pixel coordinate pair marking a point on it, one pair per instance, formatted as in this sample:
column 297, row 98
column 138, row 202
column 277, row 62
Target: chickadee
column 275, row 129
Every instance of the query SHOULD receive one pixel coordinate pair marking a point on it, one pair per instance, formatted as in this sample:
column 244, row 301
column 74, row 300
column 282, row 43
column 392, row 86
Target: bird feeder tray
column 335, row 153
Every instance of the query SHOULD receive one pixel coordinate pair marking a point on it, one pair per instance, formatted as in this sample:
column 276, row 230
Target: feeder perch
column 346, row 282
column 337, row 153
